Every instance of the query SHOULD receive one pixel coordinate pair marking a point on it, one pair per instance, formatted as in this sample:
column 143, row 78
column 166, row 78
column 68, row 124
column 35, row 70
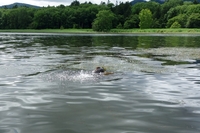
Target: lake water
column 47, row 84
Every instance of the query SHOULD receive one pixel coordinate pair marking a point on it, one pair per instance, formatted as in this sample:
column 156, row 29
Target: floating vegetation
column 173, row 55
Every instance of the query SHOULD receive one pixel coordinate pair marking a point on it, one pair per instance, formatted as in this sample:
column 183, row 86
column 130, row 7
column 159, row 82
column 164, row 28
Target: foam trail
column 82, row 76
column 69, row 75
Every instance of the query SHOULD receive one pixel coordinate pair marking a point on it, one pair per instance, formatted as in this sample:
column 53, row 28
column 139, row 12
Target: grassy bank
column 181, row 30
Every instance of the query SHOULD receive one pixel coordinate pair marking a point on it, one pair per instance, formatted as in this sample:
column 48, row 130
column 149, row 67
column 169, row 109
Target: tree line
column 104, row 16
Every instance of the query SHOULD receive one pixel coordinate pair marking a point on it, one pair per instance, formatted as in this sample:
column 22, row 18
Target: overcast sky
column 53, row 2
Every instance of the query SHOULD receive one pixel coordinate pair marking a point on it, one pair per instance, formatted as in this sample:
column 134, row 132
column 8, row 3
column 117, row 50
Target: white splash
column 82, row 76
column 74, row 76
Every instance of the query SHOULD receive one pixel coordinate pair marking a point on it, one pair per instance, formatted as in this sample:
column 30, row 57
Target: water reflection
column 47, row 84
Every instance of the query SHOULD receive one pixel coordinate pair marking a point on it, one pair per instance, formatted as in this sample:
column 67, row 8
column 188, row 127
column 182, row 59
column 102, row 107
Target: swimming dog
column 101, row 70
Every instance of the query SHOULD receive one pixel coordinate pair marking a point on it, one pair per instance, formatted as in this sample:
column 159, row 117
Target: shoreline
column 113, row 31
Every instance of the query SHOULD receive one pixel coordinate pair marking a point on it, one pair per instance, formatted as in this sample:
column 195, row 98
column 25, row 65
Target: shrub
column 146, row 20
column 175, row 25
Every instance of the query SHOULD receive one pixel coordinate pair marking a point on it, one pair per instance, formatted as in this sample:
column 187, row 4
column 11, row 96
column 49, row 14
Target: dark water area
column 47, row 84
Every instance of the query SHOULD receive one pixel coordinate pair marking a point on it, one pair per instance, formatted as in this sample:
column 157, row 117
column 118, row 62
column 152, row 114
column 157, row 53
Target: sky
column 53, row 2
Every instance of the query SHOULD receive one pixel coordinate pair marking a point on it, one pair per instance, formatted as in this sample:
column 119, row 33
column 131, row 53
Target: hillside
column 34, row 6
column 159, row 1
column 19, row 5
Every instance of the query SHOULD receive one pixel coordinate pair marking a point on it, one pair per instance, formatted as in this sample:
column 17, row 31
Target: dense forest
column 104, row 16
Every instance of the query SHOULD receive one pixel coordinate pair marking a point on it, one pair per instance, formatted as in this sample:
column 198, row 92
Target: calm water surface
column 47, row 85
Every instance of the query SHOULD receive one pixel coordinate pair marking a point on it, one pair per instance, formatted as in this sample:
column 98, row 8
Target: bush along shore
column 106, row 17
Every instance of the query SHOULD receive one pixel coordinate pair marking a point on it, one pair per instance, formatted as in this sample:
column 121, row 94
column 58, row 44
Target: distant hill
column 136, row 1
column 192, row 0
column 158, row 1
column 19, row 5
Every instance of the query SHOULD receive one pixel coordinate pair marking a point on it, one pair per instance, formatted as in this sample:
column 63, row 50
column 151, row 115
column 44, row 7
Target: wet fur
column 101, row 70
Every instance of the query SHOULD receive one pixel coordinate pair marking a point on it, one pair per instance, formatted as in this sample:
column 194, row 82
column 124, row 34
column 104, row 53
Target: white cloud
column 37, row 2
column 52, row 2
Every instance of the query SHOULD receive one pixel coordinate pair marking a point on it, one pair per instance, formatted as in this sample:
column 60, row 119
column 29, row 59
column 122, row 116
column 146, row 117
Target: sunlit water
column 47, row 84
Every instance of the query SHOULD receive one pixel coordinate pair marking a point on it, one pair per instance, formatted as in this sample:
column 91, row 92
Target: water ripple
column 47, row 84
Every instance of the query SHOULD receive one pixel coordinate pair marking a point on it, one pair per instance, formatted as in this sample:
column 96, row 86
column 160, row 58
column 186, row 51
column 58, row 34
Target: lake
column 47, row 84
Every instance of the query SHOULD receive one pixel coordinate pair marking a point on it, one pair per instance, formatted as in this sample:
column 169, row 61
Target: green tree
column 193, row 9
column 43, row 18
column 145, row 17
column 181, row 19
column 195, row 2
column 24, row 18
column 175, row 11
column 193, row 21
column 47, row 18
column 166, row 7
column 103, row 22
column 175, row 25
column 75, row 3
column 122, row 12
column 132, row 22
column 15, row 6
column 1, row 22
column 119, row 26
column 68, row 17
column 154, row 7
